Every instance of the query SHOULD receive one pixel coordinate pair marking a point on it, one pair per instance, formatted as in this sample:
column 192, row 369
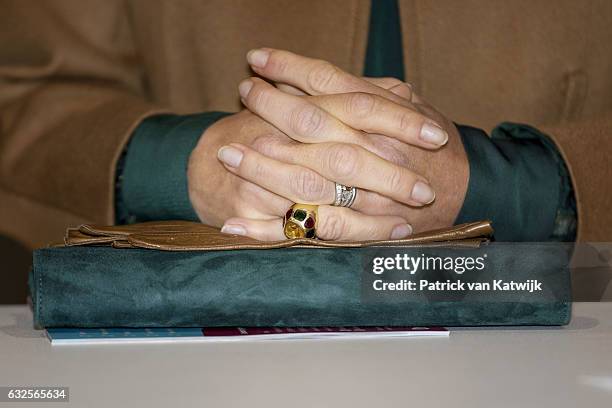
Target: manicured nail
column 233, row 229
column 422, row 193
column 258, row 58
column 401, row 231
column 230, row 156
column 433, row 134
column 245, row 87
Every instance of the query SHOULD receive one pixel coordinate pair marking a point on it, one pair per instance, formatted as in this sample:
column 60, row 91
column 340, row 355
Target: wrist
column 154, row 178
column 206, row 176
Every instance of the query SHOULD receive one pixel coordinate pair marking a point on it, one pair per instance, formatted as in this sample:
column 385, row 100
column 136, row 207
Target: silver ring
column 345, row 196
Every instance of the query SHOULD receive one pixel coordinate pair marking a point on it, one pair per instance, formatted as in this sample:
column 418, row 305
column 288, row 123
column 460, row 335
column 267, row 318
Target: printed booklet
column 70, row 336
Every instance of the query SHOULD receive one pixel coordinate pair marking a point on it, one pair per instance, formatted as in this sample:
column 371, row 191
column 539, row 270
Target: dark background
column 15, row 264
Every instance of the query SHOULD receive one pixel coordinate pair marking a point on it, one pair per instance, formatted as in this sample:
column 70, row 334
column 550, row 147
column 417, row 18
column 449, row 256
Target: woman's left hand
column 381, row 116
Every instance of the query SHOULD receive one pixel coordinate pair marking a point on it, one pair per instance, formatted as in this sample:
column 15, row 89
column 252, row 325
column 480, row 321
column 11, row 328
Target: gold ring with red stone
column 301, row 221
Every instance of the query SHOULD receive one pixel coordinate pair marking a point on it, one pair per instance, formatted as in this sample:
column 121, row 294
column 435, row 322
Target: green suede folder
column 96, row 286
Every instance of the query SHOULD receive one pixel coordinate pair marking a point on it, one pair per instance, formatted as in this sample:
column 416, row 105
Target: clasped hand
column 321, row 125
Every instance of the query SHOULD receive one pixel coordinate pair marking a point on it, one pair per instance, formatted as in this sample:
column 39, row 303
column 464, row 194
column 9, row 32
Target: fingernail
column 422, row 193
column 401, row 231
column 245, row 87
column 433, row 134
column 230, row 156
column 233, row 229
column 258, row 58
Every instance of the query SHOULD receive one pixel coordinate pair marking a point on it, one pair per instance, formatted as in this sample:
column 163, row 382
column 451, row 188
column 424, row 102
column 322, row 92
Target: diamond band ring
column 345, row 196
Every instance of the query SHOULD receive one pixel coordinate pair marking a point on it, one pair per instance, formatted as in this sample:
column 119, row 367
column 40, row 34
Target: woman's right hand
column 262, row 189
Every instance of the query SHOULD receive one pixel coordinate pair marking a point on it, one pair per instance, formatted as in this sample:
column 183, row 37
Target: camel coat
column 76, row 77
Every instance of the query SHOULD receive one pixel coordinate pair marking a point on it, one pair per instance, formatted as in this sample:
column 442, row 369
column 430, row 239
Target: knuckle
column 307, row 185
column 306, row 120
column 323, row 76
column 396, row 180
column 404, row 121
column 343, row 160
column 361, row 103
column 333, row 228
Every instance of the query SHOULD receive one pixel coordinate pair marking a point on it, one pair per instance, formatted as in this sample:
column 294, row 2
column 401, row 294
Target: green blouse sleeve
column 152, row 173
column 519, row 181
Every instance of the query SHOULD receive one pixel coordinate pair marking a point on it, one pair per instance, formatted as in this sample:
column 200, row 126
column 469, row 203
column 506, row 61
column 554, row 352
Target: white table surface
column 509, row 367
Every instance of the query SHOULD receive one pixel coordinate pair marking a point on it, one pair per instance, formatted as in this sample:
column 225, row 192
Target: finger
column 302, row 121
column 375, row 114
column 366, row 202
column 289, row 89
column 253, row 201
column 263, row 230
column 344, row 224
column 371, row 203
column 404, row 90
column 297, row 117
column 307, row 122
column 313, row 76
column 394, row 85
column 296, row 183
column 333, row 224
column 420, row 101
column 417, row 99
column 383, row 82
column 355, row 166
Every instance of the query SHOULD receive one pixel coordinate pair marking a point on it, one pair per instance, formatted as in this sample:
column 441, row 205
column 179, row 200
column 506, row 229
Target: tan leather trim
column 146, row 228
column 75, row 237
column 189, row 236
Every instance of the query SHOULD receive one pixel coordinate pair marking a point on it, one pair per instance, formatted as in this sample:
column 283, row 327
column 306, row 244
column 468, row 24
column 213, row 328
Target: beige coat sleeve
column 586, row 146
column 71, row 91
